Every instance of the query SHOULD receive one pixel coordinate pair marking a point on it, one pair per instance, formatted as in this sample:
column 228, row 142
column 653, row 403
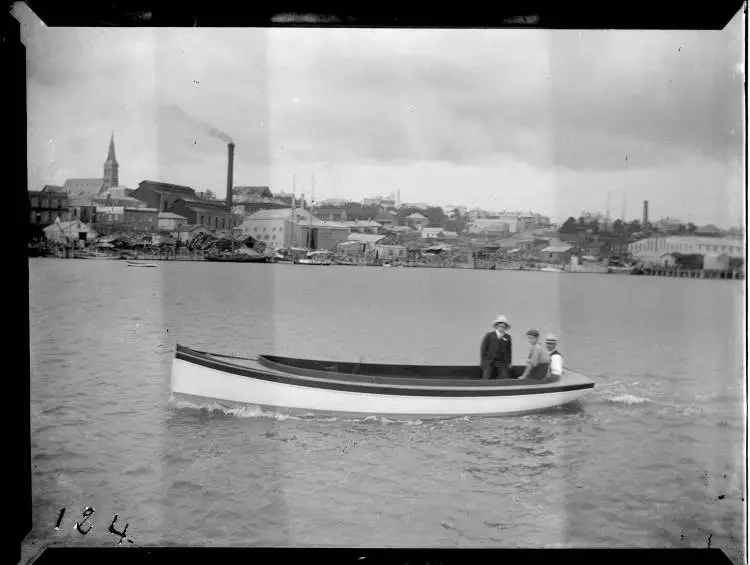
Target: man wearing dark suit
column 496, row 350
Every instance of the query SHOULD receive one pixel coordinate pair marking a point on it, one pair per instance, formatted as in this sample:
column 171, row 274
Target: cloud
column 367, row 109
column 458, row 96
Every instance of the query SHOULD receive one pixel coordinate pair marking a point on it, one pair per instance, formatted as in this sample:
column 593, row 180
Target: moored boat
column 139, row 264
column 620, row 270
column 315, row 258
column 395, row 391
column 85, row 254
column 238, row 258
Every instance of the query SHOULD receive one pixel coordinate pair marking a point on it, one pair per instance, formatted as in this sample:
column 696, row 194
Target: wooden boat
column 620, row 270
column 283, row 259
column 551, row 270
column 394, row 391
column 315, row 258
column 139, row 264
column 95, row 255
column 237, row 258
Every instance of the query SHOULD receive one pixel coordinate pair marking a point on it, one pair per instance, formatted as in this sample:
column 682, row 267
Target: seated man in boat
column 538, row 362
column 496, row 350
column 555, row 358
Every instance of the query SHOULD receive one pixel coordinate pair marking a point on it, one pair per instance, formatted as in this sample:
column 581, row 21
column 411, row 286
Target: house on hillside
column 331, row 213
column 386, row 218
column 363, row 226
column 488, row 227
column 416, row 221
column 432, row 233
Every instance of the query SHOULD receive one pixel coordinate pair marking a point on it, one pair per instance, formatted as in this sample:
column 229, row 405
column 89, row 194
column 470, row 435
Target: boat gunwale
column 384, row 386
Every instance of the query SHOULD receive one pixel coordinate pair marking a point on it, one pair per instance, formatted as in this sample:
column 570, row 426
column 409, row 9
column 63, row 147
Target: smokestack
column 230, row 174
column 645, row 214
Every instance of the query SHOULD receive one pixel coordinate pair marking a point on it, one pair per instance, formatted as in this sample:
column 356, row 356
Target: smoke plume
column 175, row 111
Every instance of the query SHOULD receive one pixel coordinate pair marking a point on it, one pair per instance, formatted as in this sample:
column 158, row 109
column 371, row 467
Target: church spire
column 111, row 154
column 111, row 178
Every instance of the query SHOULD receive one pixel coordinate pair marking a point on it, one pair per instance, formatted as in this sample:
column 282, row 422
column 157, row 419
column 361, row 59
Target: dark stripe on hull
column 343, row 386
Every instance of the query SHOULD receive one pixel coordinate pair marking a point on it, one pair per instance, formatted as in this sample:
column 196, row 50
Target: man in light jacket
column 555, row 357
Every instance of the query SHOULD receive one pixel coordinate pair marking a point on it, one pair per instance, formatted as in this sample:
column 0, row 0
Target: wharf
column 691, row 273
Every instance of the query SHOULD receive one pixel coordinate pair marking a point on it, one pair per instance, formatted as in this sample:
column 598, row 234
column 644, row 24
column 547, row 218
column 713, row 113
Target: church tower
column 110, row 167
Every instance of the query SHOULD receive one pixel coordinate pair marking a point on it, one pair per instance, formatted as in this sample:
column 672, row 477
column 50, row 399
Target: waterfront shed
column 169, row 221
column 667, row 260
column 716, row 262
column 557, row 253
column 74, row 230
column 186, row 234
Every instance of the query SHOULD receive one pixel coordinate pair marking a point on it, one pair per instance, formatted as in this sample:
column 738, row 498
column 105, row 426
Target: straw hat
column 501, row 320
column 549, row 338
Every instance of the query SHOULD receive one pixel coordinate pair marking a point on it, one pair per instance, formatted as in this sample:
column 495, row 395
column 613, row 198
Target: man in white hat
column 496, row 350
column 555, row 358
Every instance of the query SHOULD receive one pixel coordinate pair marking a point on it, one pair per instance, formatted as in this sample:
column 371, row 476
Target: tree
column 569, row 226
column 209, row 195
column 618, row 227
column 436, row 216
column 581, row 221
column 634, row 226
column 356, row 211
column 691, row 228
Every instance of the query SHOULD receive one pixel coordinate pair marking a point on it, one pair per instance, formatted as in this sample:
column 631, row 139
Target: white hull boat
column 393, row 391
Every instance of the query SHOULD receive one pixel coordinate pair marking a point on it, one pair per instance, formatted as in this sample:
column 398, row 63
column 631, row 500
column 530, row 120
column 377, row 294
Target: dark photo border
column 669, row 15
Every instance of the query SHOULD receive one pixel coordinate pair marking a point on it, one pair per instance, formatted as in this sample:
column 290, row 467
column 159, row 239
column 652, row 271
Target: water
column 652, row 458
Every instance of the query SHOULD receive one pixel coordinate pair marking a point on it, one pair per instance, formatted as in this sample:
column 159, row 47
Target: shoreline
column 564, row 270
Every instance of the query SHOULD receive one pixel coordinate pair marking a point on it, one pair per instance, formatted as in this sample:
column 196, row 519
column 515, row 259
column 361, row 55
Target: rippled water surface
column 652, row 458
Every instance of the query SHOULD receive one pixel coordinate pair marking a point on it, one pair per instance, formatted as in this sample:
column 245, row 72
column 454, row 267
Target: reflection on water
column 651, row 458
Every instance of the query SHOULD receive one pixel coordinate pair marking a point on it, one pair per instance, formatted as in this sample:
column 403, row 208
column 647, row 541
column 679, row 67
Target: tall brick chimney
column 644, row 223
column 230, row 174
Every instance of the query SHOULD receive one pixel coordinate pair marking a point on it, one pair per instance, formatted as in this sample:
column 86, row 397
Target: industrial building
column 651, row 250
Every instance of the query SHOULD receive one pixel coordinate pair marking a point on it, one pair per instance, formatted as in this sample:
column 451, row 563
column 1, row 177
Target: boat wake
column 258, row 412
column 237, row 412
column 629, row 399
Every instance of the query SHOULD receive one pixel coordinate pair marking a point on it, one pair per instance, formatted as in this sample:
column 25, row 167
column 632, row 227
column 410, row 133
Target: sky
column 553, row 121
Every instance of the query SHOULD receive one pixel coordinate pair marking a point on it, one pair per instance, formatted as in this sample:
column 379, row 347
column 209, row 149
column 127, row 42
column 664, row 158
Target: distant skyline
column 541, row 120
